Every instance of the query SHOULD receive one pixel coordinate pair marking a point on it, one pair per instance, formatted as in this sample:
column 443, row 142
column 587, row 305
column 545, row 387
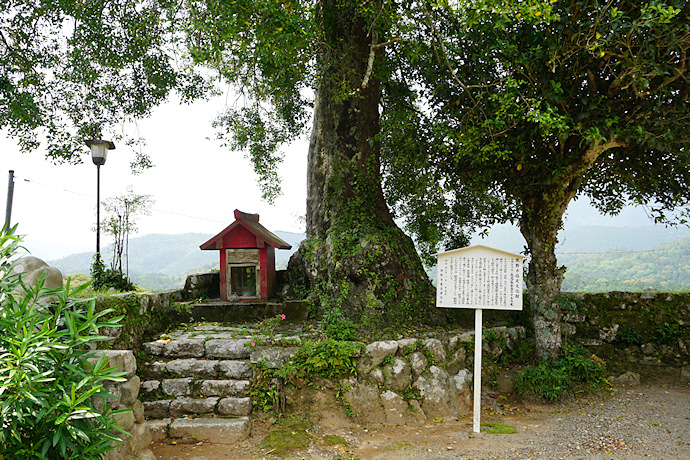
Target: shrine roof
column 250, row 222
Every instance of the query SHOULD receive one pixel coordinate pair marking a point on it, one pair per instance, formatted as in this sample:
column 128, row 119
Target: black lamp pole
column 99, row 152
column 98, row 210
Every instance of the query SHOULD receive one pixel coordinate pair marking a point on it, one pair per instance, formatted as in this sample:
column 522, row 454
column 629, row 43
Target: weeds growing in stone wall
column 551, row 380
column 331, row 359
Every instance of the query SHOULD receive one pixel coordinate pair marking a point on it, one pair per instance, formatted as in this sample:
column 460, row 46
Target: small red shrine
column 247, row 258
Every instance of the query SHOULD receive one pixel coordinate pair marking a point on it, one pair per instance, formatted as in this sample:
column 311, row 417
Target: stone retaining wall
column 136, row 446
column 418, row 379
column 647, row 332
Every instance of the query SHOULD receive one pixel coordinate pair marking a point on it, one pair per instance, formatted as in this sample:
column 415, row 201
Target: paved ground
column 630, row 423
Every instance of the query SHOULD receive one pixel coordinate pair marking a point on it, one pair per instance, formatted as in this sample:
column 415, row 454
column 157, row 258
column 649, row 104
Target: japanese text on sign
column 479, row 277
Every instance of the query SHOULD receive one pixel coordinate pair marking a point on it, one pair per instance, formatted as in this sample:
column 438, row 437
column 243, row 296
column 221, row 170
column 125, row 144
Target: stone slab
column 215, row 430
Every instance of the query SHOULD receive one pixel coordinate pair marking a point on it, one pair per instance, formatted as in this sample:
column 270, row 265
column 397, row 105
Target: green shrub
column 47, row 388
column 337, row 327
column 550, row 380
column 269, row 327
column 326, row 358
column 105, row 278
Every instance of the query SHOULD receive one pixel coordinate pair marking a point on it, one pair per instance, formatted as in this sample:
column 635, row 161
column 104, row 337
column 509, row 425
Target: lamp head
column 99, row 150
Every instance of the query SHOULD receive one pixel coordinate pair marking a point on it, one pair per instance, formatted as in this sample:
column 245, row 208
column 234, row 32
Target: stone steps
column 196, row 386
column 215, row 430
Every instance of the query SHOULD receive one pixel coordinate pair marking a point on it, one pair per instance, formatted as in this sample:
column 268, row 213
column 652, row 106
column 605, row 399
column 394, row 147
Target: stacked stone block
column 126, row 395
column 197, row 385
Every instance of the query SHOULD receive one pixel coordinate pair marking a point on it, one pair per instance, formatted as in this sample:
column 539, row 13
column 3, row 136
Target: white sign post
column 479, row 277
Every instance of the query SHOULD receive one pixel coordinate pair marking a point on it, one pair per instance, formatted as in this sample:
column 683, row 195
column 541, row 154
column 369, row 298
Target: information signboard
column 479, row 277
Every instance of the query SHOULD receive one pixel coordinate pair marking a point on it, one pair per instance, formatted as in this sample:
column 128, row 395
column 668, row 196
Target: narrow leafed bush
column 48, row 387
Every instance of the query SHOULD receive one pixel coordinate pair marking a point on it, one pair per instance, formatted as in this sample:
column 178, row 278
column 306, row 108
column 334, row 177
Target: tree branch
column 372, row 54
column 437, row 34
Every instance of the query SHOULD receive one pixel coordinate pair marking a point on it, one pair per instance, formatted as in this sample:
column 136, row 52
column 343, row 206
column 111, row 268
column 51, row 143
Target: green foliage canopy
column 525, row 105
column 73, row 70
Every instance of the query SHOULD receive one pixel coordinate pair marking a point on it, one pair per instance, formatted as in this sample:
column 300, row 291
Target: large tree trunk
column 543, row 207
column 541, row 220
column 355, row 257
column 544, row 280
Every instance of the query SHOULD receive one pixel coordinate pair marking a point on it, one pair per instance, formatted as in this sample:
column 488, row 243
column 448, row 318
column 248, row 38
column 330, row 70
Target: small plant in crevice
column 269, row 327
column 666, row 333
column 629, row 336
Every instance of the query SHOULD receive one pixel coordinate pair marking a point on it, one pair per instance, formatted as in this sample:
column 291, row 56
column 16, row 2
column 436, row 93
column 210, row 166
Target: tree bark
column 355, row 257
column 544, row 277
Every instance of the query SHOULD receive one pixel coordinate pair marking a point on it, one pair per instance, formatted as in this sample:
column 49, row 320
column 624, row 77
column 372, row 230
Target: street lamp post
column 99, row 153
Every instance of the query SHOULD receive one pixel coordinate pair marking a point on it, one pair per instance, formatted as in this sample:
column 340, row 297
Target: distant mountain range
column 162, row 261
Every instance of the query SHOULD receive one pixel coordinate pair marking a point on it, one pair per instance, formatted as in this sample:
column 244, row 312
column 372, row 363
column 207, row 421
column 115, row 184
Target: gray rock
column 184, row 348
column 146, row 455
column 188, row 406
column 177, row 387
column 394, row 407
column 138, row 410
column 438, row 392
column 157, row 409
column 437, row 351
column 150, row 387
column 191, row 367
column 154, row 370
column 159, row 429
column 377, row 374
column 126, row 420
column 129, row 391
column 405, row 346
column 397, row 375
column 627, row 379
column 140, row 439
column 215, row 430
column 363, row 398
column 374, row 354
column 463, row 380
column 229, row 349
column 608, row 334
column 235, row 370
column 418, row 363
column 155, row 348
column 225, row 387
column 235, row 406
column 273, row 357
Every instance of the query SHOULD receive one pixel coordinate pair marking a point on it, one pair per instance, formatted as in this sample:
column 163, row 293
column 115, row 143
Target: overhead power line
column 161, row 211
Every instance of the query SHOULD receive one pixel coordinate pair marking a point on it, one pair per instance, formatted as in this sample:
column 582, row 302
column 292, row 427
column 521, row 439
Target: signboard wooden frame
column 479, row 277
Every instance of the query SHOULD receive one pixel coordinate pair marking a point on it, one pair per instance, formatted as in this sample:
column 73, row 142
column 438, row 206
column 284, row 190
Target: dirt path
column 631, row 423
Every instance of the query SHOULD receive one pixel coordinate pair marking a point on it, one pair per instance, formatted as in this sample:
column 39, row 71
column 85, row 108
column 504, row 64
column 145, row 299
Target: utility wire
column 161, row 211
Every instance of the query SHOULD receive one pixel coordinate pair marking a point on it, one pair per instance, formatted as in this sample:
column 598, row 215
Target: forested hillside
column 598, row 258
column 665, row 268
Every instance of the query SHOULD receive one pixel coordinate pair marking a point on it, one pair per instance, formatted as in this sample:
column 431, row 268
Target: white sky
column 196, row 185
